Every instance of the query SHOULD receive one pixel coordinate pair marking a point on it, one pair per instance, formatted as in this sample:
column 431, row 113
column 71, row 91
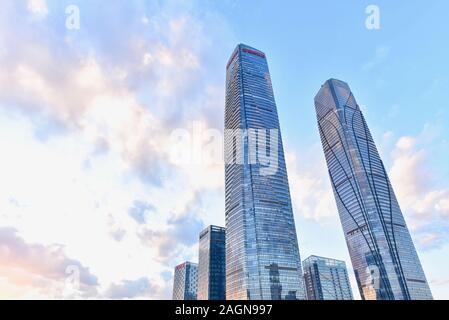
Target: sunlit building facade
column 262, row 255
column 326, row 279
column 185, row 282
column 383, row 255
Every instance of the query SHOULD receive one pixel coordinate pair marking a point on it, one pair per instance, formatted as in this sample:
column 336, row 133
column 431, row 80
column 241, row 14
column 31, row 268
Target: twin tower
column 262, row 254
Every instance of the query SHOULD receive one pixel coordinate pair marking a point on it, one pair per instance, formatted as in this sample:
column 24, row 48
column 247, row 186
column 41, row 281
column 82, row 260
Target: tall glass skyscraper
column 185, row 282
column 262, row 256
column 212, row 264
column 326, row 279
column 384, row 258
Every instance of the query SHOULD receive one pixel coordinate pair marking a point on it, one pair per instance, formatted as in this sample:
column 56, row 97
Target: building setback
column 212, row 264
column 382, row 252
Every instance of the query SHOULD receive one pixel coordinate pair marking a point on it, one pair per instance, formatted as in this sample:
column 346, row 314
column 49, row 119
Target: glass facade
column 383, row 255
column 185, row 282
column 326, row 279
column 262, row 255
column 212, row 264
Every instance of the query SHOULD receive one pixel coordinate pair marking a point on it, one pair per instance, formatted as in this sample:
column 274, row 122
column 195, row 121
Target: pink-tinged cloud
column 36, row 270
column 425, row 207
column 310, row 186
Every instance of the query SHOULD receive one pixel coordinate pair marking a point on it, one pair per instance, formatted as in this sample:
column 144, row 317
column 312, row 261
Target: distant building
column 326, row 279
column 185, row 283
column 212, row 264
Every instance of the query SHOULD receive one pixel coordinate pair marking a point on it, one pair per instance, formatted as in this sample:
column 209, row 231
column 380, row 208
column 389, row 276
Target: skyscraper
column 262, row 256
column 384, row 258
column 326, row 279
column 212, row 264
column 185, row 282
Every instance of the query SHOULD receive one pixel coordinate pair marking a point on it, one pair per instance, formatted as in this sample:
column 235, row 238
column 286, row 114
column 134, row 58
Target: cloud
column 86, row 99
column 179, row 238
column 441, row 282
column 38, row 7
column 139, row 211
column 423, row 199
column 132, row 289
column 41, row 271
column 94, row 110
column 118, row 234
column 310, row 187
column 127, row 99
column 430, row 237
column 380, row 56
column 424, row 204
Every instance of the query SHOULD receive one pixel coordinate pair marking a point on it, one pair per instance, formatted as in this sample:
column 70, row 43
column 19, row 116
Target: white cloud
column 38, row 7
column 310, row 186
column 141, row 288
column 177, row 236
column 87, row 136
column 424, row 205
column 37, row 270
column 145, row 20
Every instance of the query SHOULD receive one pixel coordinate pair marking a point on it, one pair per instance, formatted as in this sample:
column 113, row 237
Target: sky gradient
column 87, row 181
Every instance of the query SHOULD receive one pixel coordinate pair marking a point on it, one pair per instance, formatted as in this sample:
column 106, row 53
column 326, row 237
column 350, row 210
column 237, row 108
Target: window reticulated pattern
column 326, row 279
column 382, row 252
column 262, row 255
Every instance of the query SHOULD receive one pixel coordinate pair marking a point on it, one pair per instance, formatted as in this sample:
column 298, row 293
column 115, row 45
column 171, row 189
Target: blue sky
column 87, row 117
column 398, row 74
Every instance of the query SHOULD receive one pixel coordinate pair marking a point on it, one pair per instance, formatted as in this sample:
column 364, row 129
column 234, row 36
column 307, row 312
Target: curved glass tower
column 384, row 258
column 262, row 256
